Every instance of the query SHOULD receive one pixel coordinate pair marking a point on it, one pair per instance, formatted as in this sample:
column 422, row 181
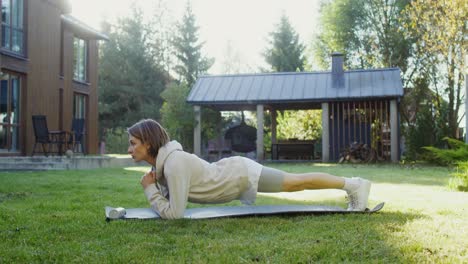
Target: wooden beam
column 394, row 130
column 197, row 131
column 260, row 154
column 325, row 133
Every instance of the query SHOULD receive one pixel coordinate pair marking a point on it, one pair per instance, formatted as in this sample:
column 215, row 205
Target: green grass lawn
column 58, row 216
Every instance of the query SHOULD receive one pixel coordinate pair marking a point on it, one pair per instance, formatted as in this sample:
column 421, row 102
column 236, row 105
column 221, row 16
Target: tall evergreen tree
column 188, row 49
column 129, row 80
column 285, row 53
column 178, row 116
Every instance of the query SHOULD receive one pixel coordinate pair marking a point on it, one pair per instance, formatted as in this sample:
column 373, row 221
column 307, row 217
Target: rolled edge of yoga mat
column 117, row 213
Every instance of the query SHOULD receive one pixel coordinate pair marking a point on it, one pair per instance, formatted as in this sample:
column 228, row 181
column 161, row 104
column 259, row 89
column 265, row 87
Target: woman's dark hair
column 151, row 132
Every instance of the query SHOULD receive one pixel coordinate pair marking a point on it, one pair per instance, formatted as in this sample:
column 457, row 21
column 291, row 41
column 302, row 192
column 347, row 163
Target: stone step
column 35, row 159
column 63, row 163
column 33, row 166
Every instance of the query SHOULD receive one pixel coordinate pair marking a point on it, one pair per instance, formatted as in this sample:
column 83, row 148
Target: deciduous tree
column 368, row 32
column 286, row 54
column 178, row 116
column 440, row 28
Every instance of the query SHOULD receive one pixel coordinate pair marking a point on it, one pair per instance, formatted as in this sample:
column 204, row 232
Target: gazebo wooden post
column 273, row 126
column 274, row 122
column 197, row 131
column 394, row 130
column 325, row 133
column 260, row 154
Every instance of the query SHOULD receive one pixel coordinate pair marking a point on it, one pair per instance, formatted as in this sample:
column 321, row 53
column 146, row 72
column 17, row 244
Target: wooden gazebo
column 357, row 106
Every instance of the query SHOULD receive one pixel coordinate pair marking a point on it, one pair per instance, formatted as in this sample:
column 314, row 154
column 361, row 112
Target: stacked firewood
column 358, row 153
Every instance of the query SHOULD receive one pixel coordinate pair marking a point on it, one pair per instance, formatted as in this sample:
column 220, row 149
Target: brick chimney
column 337, row 70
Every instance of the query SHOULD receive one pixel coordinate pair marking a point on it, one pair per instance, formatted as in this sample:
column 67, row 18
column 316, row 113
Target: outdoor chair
column 242, row 138
column 45, row 137
column 76, row 140
column 219, row 148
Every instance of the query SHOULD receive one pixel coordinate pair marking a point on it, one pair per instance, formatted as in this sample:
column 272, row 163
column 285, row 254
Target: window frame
column 83, row 63
column 9, row 125
column 80, row 105
column 20, row 29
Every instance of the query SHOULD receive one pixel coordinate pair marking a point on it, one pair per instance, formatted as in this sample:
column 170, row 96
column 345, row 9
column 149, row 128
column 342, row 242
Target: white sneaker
column 357, row 198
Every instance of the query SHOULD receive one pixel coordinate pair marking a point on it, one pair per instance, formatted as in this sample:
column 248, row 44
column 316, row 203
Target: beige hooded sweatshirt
column 183, row 177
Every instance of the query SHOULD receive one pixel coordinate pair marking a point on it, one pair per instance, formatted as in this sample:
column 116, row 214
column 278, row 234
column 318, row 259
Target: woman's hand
column 148, row 179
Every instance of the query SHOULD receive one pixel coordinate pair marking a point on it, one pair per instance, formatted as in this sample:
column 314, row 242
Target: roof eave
column 81, row 28
column 315, row 100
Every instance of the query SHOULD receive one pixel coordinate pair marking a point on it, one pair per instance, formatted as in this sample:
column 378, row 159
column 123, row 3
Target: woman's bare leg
column 311, row 181
column 273, row 180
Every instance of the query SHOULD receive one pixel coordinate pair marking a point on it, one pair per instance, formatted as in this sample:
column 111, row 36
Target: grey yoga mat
column 233, row 211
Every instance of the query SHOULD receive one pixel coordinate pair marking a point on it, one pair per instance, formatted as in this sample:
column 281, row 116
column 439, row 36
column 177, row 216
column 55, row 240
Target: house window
column 12, row 26
column 79, row 106
column 80, row 60
column 10, row 91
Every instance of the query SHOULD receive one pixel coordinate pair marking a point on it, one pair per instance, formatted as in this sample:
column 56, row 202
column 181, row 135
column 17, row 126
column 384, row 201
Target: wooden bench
column 293, row 149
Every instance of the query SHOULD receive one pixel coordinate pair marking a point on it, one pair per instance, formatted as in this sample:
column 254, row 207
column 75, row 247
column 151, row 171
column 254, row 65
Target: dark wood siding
column 93, row 97
column 43, row 48
column 67, row 78
column 48, row 73
column 360, row 122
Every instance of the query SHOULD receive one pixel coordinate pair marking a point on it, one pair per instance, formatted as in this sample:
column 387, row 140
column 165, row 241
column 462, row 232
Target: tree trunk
column 452, row 115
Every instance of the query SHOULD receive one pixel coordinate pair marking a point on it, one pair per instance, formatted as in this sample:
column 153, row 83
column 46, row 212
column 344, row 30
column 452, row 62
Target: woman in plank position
column 178, row 177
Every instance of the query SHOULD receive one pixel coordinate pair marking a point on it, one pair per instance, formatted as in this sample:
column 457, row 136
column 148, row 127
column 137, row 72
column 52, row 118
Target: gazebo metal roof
column 226, row 91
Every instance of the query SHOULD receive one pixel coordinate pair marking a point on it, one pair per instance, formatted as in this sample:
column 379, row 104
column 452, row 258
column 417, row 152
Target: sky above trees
column 239, row 28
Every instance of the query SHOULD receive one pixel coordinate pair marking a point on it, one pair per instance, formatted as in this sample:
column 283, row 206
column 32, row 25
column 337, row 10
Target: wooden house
column 49, row 65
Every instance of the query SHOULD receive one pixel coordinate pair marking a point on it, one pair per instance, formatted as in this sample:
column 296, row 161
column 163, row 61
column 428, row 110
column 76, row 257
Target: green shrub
column 116, row 141
column 457, row 152
column 459, row 181
column 419, row 135
column 178, row 117
column 300, row 124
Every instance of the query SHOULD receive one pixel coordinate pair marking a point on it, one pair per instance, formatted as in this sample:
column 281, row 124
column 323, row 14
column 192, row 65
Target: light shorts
column 261, row 179
column 254, row 169
column 271, row 180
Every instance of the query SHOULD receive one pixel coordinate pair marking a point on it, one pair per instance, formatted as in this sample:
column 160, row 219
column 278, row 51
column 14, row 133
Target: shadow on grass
column 13, row 195
column 280, row 238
